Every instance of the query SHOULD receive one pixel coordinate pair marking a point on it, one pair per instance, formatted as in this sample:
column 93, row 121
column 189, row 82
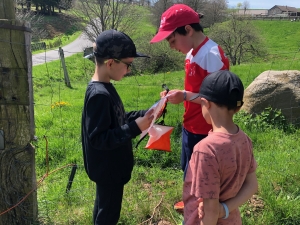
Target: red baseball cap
column 176, row 16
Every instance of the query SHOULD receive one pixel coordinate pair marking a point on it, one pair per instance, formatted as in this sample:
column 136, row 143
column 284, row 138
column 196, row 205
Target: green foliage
column 268, row 119
column 239, row 39
column 277, row 154
column 59, row 30
column 163, row 58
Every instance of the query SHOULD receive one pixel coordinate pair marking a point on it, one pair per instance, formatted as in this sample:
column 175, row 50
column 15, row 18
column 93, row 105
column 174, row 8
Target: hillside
column 280, row 36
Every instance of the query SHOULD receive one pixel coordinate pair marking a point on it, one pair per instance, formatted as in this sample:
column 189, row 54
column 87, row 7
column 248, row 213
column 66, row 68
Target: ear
column 189, row 30
column 206, row 103
column 109, row 63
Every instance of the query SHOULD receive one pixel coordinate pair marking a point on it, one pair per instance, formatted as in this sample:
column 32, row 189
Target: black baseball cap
column 222, row 87
column 113, row 44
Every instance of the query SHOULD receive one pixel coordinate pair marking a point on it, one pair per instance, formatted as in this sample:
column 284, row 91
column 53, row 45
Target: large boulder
column 278, row 89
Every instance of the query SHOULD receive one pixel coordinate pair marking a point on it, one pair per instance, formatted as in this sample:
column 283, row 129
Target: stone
column 276, row 89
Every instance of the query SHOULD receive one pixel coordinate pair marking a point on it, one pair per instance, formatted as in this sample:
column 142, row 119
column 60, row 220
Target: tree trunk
column 233, row 60
column 17, row 164
column 28, row 5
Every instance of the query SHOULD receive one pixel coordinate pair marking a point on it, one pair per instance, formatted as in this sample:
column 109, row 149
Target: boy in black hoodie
column 107, row 130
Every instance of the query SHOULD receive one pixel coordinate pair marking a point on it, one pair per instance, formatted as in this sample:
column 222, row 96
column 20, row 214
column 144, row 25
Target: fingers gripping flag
column 159, row 134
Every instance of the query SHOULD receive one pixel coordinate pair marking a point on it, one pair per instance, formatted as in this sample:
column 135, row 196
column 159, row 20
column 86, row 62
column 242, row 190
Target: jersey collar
column 195, row 51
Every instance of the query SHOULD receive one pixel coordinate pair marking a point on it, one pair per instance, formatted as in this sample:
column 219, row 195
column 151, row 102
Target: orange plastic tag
column 159, row 138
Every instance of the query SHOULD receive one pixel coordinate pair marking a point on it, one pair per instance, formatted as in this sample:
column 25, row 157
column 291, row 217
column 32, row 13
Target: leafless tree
column 159, row 6
column 36, row 21
column 100, row 15
column 245, row 6
column 197, row 5
column 214, row 12
column 239, row 39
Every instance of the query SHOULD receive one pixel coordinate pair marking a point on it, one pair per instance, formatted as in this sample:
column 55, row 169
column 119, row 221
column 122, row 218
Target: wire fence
column 62, row 183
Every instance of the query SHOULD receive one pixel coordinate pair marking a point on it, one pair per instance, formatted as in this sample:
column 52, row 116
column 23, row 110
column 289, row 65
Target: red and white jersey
column 207, row 58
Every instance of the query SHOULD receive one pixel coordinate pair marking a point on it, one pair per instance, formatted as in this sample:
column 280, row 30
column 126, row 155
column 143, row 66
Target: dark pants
column 189, row 140
column 108, row 204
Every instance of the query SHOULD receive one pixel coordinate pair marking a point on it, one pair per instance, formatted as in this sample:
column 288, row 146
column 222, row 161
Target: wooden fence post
column 62, row 58
column 17, row 155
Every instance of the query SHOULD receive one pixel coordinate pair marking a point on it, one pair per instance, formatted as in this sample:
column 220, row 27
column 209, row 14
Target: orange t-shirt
column 217, row 170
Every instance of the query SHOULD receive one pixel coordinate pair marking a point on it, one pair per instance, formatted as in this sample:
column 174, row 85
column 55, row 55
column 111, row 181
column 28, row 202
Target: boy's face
column 120, row 67
column 181, row 43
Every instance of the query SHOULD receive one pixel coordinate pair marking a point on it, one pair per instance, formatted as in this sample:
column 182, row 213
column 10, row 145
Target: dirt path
column 75, row 47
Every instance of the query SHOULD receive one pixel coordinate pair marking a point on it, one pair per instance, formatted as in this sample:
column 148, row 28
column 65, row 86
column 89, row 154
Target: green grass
column 156, row 179
column 144, row 25
column 280, row 36
column 156, row 182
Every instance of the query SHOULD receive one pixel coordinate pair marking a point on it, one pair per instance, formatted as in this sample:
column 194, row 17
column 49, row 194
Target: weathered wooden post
column 63, row 63
column 17, row 164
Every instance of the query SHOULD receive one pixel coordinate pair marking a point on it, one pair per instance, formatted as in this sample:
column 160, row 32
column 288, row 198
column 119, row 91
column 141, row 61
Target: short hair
column 99, row 61
column 229, row 107
column 195, row 26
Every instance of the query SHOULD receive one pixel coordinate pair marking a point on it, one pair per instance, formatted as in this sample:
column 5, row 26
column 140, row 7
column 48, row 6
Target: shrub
column 163, row 58
column 268, row 119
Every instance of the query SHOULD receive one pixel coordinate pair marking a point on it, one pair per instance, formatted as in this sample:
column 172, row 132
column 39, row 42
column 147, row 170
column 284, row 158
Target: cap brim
column 194, row 97
column 89, row 56
column 141, row 55
column 161, row 35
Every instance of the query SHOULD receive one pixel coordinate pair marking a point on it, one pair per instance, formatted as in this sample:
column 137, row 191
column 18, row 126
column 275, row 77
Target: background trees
column 45, row 6
column 157, row 9
column 36, row 21
column 239, row 39
column 102, row 15
column 214, row 11
column 233, row 31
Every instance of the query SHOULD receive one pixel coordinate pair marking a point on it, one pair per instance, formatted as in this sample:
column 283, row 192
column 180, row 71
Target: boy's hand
column 145, row 121
column 201, row 214
column 222, row 212
column 200, row 208
column 175, row 96
column 163, row 94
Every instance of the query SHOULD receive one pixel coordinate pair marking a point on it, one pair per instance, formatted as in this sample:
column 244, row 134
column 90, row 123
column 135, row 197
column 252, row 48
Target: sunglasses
column 117, row 60
column 127, row 64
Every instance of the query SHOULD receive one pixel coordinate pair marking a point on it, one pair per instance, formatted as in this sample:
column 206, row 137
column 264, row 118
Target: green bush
column 163, row 58
column 268, row 119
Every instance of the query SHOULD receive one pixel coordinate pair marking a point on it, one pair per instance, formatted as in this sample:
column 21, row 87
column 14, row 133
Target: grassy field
column 156, row 182
column 280, row 36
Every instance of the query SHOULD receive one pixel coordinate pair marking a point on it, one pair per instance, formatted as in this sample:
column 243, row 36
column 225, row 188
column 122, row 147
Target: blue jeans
column 189, row 140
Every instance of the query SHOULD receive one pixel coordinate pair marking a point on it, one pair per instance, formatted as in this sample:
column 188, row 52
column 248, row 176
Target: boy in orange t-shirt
column 222, row 168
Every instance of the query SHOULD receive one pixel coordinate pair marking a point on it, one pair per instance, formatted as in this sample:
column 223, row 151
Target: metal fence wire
column 57, row 137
